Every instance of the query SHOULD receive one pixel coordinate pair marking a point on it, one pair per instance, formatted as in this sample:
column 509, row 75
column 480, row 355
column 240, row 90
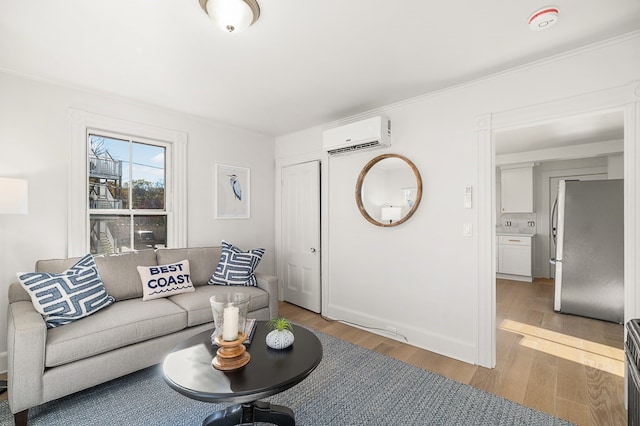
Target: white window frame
column 81, row 124
column 132, row 212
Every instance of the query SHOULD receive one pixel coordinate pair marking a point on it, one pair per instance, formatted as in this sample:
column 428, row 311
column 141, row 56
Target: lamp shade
column 14, row 196
column 232, row 15
column 391, row 213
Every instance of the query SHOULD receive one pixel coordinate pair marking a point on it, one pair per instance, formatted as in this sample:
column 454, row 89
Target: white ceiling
column 301, row 64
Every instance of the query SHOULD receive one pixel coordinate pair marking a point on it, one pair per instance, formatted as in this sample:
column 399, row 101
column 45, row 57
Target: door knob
column 313, row 250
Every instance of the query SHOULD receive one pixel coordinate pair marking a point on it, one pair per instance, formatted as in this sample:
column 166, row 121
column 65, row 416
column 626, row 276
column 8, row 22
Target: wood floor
column 567, row 366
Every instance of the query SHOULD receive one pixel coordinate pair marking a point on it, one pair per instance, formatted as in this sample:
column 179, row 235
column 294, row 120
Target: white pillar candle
column 230, row 323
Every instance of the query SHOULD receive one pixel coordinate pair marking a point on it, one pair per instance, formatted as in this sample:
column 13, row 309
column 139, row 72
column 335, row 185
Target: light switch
column 467, row 197
column 468, row 230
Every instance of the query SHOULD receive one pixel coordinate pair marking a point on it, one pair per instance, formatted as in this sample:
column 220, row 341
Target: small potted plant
column 281, row 334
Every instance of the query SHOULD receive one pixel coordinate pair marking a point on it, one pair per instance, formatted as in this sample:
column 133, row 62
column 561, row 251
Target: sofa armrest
column 269, row 283
column 18, row 293
column 26, row 340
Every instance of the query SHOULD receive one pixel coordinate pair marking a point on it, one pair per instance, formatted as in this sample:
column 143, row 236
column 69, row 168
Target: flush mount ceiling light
column 232, row 15
column 543, row 18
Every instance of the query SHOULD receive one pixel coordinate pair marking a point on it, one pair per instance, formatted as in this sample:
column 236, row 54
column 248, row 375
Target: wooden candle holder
column 231, row 355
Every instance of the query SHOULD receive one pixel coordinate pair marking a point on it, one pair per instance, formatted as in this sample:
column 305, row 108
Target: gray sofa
column 129, row 335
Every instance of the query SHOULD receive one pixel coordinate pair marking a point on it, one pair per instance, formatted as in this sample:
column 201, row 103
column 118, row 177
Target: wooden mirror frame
column 360, row 182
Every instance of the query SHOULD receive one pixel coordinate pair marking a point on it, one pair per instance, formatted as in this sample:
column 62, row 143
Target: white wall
column 615, row 166
column 422, row 277
column 34, row 144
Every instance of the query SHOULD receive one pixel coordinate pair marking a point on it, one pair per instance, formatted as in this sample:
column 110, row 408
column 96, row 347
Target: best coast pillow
column 165, row 280
column 236, row 267
column 73, row 294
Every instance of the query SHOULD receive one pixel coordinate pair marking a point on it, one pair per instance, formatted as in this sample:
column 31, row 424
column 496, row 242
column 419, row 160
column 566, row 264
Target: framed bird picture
column 233, row 192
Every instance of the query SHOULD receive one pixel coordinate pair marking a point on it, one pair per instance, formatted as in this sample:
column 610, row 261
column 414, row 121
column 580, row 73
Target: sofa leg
column 21, row 418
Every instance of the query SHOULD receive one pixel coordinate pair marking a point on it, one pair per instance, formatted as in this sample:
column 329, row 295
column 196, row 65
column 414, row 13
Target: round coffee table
column 188, row 370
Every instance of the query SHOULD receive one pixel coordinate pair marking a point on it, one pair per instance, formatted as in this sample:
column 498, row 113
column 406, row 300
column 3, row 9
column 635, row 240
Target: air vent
column 351, row 148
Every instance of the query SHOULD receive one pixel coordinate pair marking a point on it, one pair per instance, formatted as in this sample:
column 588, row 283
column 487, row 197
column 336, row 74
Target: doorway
column 563, row 338
column 624, row 100
column 561, row 149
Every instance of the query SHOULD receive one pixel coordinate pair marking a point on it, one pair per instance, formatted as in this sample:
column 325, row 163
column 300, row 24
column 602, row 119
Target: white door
column 553, row 194
column 301, row 235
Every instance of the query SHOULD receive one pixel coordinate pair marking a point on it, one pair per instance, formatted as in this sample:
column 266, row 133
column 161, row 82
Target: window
column 126, row 192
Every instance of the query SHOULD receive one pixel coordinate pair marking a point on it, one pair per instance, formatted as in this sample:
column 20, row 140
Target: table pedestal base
column 250, row 413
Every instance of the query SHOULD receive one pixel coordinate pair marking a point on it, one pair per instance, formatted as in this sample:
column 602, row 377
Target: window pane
column 150, row 232
column 112, row 233
column 127, row 176
column 108, row 170
column 148, row 176
column 109, row 234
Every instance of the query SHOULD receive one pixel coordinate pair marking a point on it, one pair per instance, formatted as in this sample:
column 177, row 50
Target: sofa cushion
column 236, row 267
column 202, row 261
column 120, row 272
column 67, row 296
column 121, row 324
column 165, row 280
column 199, row 309
column 56, row 266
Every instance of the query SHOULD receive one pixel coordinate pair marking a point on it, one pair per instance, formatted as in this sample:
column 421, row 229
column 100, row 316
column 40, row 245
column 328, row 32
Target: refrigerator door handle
column 553, row 231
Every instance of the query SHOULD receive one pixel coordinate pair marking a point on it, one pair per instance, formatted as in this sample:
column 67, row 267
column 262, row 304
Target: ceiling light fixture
column 232, row 15
column 543, row 18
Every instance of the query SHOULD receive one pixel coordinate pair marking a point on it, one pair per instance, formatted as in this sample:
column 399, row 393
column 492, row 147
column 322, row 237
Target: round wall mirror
column 389, row 190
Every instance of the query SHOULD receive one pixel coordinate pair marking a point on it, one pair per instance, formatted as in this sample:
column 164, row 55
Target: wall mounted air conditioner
column 373, row 132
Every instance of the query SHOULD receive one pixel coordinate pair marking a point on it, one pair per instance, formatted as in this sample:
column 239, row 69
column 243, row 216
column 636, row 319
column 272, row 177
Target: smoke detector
column 543, row 18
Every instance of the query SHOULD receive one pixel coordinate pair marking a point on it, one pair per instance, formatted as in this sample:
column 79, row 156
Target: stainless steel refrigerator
column 587, row 226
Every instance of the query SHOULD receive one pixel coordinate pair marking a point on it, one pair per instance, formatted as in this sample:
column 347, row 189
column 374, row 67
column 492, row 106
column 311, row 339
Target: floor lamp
column 14, row 199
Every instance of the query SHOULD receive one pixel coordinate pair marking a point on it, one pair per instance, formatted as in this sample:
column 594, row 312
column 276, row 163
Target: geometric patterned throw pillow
column 62, row 298
column 236, row 267
column 165, row 280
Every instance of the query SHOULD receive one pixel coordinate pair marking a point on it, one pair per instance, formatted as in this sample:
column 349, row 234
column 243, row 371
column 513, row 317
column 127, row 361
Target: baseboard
column 540, row 273
column 433, row 342
column 515, row 277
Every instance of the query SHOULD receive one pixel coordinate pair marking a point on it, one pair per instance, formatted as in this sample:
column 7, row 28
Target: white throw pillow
column 165, row 280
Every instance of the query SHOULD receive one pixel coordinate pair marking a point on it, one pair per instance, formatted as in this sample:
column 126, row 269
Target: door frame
column 625, row 99
column 290, row 161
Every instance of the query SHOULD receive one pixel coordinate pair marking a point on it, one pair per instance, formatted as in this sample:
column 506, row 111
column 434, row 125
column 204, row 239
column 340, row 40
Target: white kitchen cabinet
column 514, row 257
column 516, row 189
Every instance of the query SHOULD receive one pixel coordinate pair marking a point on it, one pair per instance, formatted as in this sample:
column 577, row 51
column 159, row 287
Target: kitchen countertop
column 514, row 234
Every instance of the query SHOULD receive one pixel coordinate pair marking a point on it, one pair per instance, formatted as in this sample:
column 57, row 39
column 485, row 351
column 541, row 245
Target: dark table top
column 188, row 369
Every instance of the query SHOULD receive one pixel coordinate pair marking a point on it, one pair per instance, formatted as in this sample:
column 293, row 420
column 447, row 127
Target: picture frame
column 410, row 195
column 232, row 192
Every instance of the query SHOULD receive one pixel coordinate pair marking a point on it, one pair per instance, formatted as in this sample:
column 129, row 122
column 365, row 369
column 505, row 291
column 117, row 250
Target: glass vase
column 229, row 314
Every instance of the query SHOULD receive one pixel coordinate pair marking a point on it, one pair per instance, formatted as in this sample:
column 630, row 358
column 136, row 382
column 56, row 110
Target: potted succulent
column 281, row 334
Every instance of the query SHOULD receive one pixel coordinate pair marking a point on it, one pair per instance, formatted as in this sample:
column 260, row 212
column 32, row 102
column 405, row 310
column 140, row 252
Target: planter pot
column 279, row 339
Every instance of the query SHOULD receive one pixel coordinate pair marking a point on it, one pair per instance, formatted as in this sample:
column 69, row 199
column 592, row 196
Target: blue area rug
column 351, row 386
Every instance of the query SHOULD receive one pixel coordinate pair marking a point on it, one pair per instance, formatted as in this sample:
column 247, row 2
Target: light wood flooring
column 3, row 395
column 544, row 360
column 565, row 365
